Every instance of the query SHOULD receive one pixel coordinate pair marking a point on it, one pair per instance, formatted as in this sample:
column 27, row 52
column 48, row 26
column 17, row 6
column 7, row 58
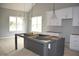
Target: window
column 36, row 25
column 15, row 23
column 19, row 23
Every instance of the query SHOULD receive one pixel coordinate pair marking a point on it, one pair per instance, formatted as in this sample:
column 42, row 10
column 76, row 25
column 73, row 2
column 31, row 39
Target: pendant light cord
column 31, row 11
column 24, row 10
column 31, row 14
column 53, row 8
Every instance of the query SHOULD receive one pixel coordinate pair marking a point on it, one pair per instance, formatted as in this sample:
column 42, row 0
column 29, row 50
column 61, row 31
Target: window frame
column 37, row 24
column 16, row 23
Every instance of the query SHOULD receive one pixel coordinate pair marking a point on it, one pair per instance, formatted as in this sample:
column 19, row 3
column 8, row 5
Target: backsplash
column 59, row 29
column 55, row 29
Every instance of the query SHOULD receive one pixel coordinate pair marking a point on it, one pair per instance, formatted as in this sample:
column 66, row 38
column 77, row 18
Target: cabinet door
column 74, row 42
column 74, row 39
column 76, row 48
column 75, row 16
column 68, row 13
column 60, row 13
column 65, row 13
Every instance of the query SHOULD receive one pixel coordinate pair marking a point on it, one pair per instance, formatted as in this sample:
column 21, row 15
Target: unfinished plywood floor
column 7, row 48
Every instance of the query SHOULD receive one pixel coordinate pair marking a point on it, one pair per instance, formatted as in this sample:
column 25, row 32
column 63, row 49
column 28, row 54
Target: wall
column 4, row 21
column 40, row 9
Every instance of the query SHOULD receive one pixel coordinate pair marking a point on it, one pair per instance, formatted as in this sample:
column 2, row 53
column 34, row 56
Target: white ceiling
column 28, row 6
column 17, row 6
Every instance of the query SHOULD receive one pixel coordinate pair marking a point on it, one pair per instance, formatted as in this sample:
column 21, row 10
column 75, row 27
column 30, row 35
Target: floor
column 7, row 45
column 7, row 48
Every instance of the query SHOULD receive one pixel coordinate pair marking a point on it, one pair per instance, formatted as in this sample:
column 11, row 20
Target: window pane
column 12, row 23
column 39, row 28
column 36, row 24
column 19, row 23
column 33, row 28
column 34, row 20
column 39, row 20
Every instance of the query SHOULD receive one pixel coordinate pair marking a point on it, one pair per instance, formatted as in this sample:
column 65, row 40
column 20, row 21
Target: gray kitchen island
column 44, row 45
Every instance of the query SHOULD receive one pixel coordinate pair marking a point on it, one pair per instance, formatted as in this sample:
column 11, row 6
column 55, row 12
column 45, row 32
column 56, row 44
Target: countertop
column 44, row 39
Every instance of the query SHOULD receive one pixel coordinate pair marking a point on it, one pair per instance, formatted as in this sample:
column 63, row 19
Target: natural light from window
column 36, row 25
column 15, row 23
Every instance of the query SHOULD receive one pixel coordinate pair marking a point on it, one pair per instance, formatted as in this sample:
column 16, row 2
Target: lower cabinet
column 74, row 42
column 53, row 48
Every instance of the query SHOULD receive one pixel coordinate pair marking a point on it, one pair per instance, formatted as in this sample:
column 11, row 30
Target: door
column 67, row 29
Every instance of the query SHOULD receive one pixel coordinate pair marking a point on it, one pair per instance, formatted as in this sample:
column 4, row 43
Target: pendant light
column 53, row 17
column 54, row 14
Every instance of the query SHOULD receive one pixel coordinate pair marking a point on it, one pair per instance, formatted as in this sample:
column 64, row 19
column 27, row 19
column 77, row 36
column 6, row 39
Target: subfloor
column 7, row 48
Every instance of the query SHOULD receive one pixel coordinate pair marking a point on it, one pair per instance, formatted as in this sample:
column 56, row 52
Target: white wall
column 4, row 21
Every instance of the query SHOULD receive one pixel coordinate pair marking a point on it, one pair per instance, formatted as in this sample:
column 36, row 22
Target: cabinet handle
column 49, row 46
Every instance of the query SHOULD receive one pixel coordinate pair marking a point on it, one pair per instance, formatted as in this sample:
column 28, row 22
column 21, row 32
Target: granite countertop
column 45, row 39
column 52, row 38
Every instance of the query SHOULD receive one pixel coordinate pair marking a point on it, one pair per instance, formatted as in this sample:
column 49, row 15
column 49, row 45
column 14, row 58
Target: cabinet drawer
column 74, row 44
column 74, row 38
column 74, row 47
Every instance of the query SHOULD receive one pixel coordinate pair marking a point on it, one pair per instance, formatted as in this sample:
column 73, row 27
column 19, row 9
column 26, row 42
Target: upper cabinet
column 75, row 16
column 65, row 13
column 68, row 13
column 61, row 14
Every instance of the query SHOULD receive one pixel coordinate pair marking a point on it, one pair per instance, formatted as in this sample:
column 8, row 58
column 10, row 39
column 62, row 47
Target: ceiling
column 17, row 6
column 27, row 6
column 57, row 5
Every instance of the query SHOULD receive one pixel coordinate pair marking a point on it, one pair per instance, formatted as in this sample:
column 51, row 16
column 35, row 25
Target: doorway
column 67, row 29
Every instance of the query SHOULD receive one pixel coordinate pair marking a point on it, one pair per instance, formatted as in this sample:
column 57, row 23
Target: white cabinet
column 68, row 13
column 65, row 13
column 75, row 16
column 61, row 14
column 74, row 42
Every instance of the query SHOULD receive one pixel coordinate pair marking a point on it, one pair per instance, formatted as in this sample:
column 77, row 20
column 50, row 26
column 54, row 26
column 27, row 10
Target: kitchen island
column 44, row 45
